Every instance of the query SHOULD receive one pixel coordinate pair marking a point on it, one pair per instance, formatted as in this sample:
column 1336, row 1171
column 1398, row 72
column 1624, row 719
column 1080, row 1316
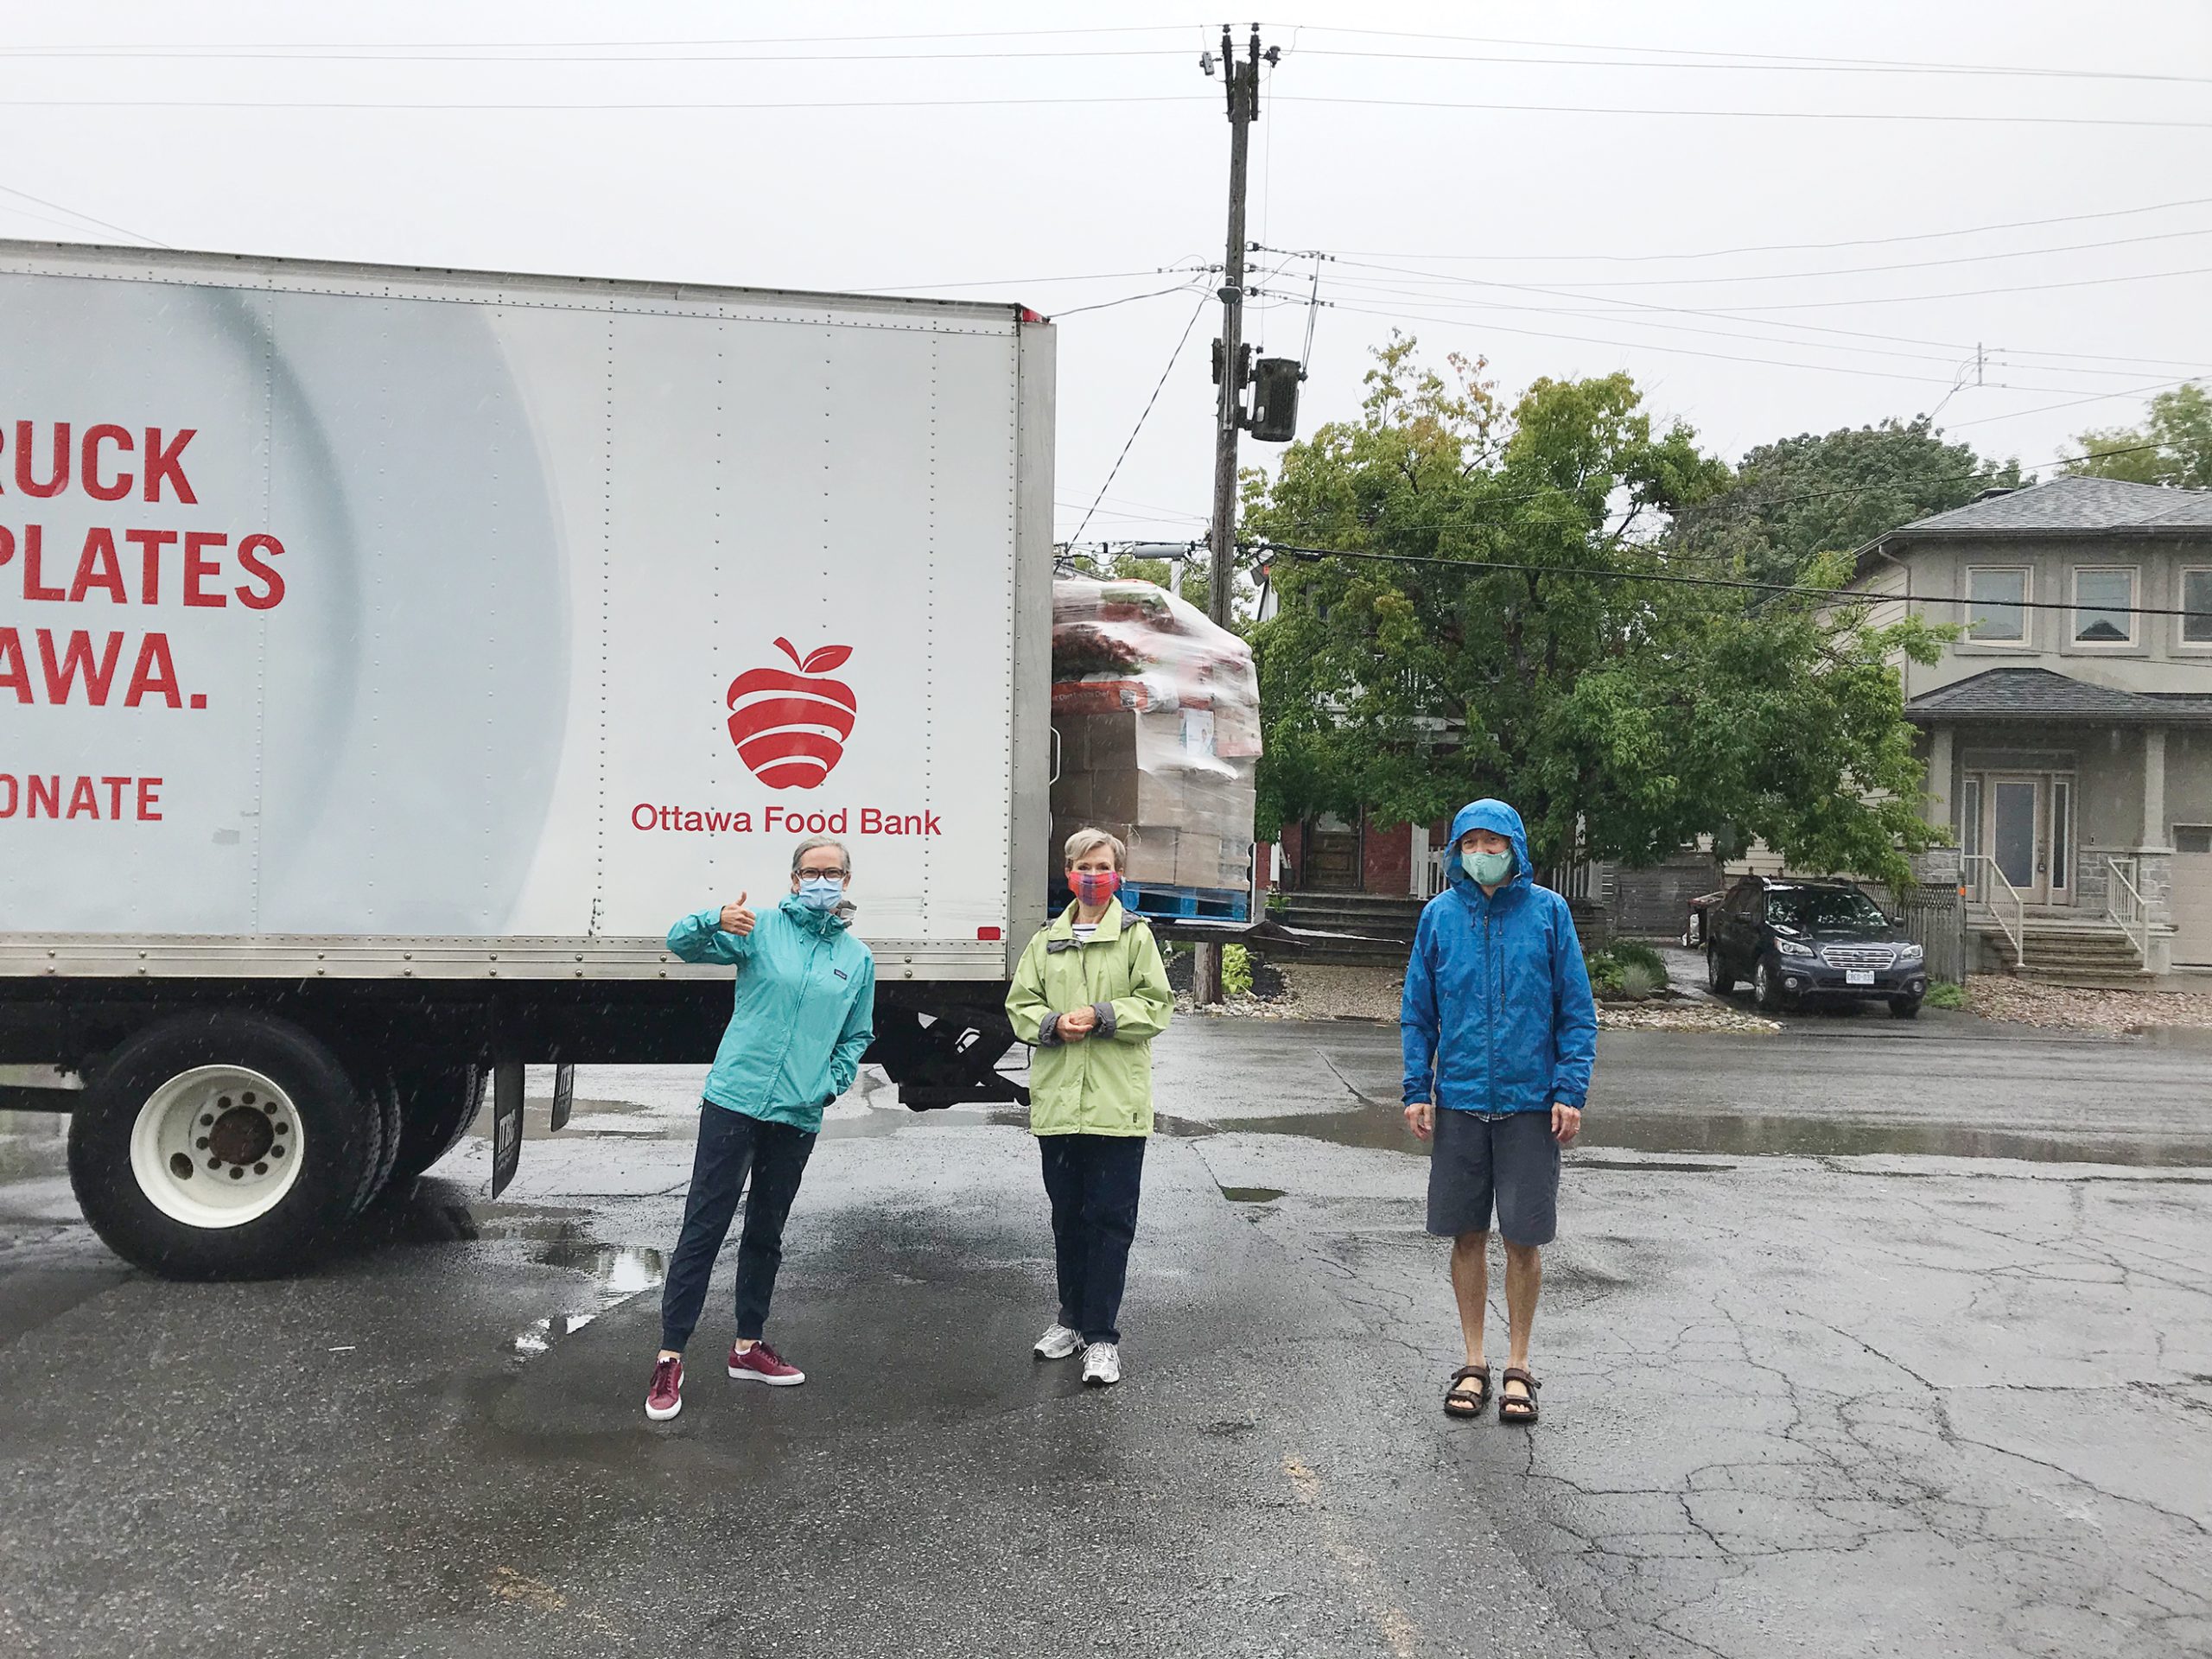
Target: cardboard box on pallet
column 1156, row 710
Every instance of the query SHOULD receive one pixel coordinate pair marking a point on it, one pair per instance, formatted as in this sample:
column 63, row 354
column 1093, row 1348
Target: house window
column 2196, row 597
column 2104, row 605
column 2193, row 837
column 1994, row 596
column 1970, row 818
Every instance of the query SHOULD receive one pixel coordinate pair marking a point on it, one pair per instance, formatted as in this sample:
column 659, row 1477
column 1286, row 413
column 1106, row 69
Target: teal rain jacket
column 804, row 1014
column 1497, row 1006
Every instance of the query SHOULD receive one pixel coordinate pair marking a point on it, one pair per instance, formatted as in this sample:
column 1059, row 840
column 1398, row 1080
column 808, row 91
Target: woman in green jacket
column 802, row 1016
column 1091, row 995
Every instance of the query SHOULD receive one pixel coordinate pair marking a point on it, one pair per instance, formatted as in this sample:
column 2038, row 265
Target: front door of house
column 2016, row 831
column 1332, row 854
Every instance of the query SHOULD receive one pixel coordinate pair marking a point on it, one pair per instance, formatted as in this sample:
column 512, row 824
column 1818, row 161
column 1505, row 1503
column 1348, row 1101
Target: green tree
column 1623, row 717
column 1798, row 498
column 2173, row 446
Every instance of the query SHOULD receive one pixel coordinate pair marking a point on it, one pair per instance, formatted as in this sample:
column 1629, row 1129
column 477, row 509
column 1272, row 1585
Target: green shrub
column 1236, row 970
column 1606, row 975
column 1945, row 995
column 1635, row 953
column 1638, row 982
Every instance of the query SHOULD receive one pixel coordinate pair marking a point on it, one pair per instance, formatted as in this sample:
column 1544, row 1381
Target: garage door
column 2192, row 897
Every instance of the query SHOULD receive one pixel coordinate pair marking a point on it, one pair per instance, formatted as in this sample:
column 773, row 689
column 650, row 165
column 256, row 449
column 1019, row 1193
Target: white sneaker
column 1102, row 1365
column 1058, row 1342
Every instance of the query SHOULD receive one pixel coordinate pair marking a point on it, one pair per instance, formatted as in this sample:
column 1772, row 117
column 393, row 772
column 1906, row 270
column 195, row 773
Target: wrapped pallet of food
column 1157, row 711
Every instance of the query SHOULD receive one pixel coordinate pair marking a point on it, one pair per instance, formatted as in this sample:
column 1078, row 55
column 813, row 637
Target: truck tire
column 380, row 1091
column 223, row 1145
column 437, row 1105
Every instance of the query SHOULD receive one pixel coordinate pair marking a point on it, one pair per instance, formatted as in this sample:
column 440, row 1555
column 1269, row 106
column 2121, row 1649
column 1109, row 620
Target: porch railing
column 2124, row 905
column 1992, row 886
column 1432, row 871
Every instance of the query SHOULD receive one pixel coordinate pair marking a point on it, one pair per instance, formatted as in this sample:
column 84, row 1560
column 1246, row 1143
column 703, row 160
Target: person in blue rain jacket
column 804, row 1014
column 1500, row 1035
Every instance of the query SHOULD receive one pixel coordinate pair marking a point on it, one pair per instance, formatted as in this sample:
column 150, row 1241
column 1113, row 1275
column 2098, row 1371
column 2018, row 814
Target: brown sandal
column 1459, row 1401
column 1515, row 1408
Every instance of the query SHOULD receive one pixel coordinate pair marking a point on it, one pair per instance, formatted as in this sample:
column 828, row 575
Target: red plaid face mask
column 1095, row 887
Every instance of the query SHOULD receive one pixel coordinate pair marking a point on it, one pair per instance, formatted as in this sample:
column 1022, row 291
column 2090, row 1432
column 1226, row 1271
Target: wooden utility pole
column 1242, row 81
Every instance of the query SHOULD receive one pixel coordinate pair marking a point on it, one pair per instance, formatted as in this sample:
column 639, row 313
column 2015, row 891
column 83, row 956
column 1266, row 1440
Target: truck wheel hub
column 216, row 1146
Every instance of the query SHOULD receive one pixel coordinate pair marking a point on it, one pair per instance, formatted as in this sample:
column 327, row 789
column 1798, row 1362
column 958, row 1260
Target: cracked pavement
column 1815, row 1382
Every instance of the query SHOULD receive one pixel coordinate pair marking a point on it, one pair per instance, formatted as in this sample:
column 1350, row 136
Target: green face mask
column 1488, row 869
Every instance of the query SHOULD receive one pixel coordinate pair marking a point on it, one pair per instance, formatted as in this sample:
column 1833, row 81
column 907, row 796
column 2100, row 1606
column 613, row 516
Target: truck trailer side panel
column 358, row 622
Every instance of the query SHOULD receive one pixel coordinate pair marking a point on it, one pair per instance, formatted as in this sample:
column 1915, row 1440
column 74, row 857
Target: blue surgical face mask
column 821, row 892
column 1488, row 869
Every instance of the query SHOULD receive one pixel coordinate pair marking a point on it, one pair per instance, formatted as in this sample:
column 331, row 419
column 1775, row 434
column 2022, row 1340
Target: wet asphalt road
column 1863, row 1338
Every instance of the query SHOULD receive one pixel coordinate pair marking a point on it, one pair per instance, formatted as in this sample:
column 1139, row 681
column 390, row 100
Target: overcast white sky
column 1024, row 147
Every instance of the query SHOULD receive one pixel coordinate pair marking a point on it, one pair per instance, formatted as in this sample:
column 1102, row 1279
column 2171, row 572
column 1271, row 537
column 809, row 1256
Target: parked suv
column 1797, row 939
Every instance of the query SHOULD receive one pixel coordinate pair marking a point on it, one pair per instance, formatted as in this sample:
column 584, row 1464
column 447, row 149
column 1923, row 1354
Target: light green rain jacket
column 1100, row 1084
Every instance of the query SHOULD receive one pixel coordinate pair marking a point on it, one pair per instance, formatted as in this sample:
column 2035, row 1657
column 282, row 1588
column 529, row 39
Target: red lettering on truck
column 35, row 796
column 254, row 553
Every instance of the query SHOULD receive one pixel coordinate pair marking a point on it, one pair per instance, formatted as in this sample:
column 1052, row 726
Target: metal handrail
column 2017, row 935
column 2136, row 911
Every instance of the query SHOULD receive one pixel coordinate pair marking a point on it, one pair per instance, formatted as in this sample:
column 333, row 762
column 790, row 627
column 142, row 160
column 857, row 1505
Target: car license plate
column 1858, row 975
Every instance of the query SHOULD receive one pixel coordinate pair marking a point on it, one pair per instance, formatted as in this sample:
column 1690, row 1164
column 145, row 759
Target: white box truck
column 388, row 657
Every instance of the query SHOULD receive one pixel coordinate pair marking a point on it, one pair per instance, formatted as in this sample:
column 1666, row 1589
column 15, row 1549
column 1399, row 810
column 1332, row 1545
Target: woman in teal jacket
column 804, row 1014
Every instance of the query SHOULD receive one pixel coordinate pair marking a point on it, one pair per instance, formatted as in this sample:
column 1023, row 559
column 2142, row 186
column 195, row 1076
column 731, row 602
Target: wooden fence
column 1935, row 917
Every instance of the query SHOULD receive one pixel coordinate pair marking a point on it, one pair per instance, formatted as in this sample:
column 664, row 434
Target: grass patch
column 1943, row 993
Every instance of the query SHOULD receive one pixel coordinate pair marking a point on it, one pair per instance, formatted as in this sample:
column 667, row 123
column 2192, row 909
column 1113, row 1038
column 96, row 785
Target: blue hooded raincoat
column 1498, row 1009
column 803, row 1015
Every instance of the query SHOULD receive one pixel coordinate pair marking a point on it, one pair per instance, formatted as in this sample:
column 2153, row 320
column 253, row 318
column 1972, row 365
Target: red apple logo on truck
column 790, row 728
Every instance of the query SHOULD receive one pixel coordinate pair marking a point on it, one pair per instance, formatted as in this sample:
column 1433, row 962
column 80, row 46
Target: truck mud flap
column 506, row 1123
column 947, row 1057
column 564, row 1096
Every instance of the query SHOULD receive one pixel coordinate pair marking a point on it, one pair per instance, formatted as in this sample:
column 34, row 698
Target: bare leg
column 1470, row 1287
column 1524, row 1281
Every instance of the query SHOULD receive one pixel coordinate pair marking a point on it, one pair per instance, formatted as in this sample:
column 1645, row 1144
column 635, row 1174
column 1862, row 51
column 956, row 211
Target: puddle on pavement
column 1822, row 1137
column 1251, row 1194
column 1747, row 1135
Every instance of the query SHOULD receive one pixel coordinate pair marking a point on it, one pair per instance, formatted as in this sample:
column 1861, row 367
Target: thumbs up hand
column 736, row 919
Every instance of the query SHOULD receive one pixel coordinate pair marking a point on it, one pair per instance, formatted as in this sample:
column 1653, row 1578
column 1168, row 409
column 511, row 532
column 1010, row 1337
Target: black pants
column 730, row 1143
column 1093, row 1181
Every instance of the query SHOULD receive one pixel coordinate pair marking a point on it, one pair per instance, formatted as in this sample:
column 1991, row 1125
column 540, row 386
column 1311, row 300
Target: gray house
column 2068, row 733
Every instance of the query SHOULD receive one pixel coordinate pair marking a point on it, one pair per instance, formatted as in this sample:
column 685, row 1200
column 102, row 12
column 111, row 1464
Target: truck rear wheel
column 223, row 1145
column 436, row 1106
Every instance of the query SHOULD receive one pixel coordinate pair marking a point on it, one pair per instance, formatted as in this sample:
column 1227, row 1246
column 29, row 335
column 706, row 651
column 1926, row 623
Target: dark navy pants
column 1093, row 1181
column 730, row 1144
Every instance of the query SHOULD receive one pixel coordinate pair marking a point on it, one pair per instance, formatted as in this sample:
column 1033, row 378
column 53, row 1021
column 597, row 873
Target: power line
column 2076, row 403
column 1127, row 299
column 1173, row 356
column 1386, row 291
column 1795, row 247
column 580, row 109
column 555, row 57
column 1612, row 306
column 1761, row 506
column 1908, row 264
column 1033, row 282
column 1953, row 119
column 1677, row 351
column 1693, row 52
column 135, row 236
column 1836, row 66
column 218, row 49
column 1831, row 595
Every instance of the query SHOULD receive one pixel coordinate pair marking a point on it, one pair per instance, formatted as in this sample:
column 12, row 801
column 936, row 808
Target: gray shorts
column 1510, row 1160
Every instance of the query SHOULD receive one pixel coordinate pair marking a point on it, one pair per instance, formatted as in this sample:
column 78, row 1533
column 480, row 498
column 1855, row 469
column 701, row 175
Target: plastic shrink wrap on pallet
column 1157, row 711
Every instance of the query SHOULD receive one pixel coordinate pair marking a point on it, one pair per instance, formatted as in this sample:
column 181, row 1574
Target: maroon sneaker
column 665, row 1398
column 761, row 1364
